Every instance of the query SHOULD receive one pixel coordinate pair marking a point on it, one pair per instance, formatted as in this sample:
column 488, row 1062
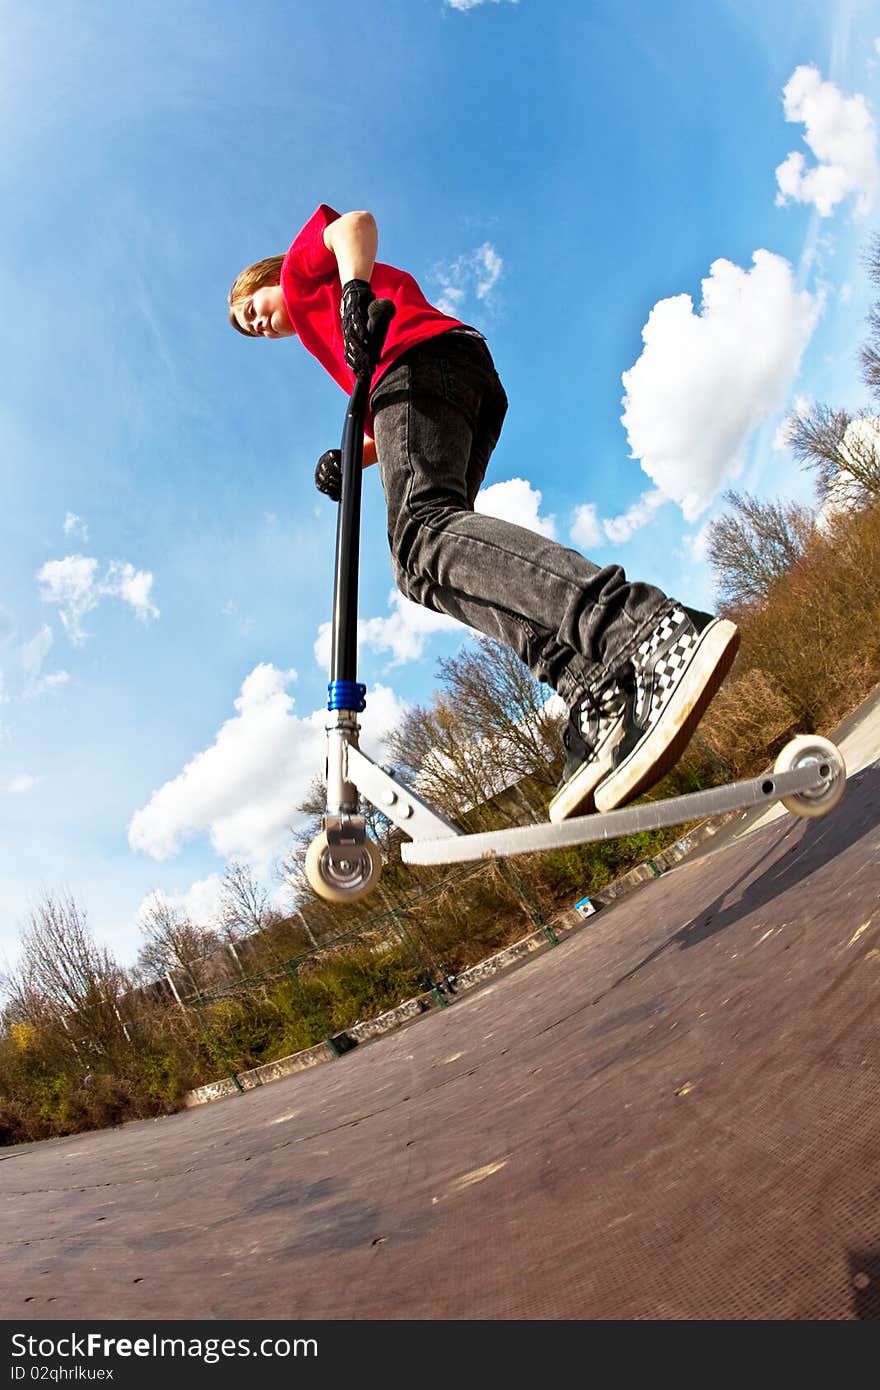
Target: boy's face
column 264, row 314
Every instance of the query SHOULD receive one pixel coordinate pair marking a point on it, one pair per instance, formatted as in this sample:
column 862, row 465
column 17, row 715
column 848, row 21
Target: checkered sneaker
column 671, row 678
column 596, row 714
column 595, row 724
column 659, row 663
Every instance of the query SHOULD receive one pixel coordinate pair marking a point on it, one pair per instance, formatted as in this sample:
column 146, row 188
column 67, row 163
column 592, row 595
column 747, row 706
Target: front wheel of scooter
column 807, row 750
column 346, row 881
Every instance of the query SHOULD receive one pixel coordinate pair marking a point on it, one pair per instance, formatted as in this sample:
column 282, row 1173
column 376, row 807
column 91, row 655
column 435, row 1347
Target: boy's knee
column 411, row 570
column 400, row 575
column 411, row 567
column 415, row 536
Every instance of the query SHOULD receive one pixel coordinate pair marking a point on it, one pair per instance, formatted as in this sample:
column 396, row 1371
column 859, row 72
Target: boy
column 636, row 669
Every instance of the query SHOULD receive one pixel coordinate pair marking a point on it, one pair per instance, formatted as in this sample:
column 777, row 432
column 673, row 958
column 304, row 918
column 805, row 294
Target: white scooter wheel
column 829, row 763
column 344, row 882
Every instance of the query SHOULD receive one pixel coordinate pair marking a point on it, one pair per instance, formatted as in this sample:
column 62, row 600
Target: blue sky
column 653, row 211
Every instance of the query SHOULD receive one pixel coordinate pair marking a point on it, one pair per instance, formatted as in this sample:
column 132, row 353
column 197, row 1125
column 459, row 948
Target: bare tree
column 753, row 545
column 244, row 905
column 870, row 354
column 455, row 770
column 842, row 450
column 487, row 730
column 65, row 978
column 171, row 940
column 497, row 697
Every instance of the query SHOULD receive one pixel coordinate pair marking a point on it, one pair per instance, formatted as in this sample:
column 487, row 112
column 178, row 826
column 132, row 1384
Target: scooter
column 342, row 864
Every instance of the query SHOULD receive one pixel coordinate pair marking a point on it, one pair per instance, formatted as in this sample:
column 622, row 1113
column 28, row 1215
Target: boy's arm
column 354, row 241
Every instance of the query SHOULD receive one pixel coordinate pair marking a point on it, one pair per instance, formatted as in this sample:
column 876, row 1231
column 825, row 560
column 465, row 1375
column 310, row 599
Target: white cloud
column 518, row 502
column 861, row 442
column 73, row 584
column 75, row 526
column 800, row 406
column 463, row 5
column 696, row 543
column 7, row 625
column 620, row 528
column 404, row 634
column 34, row 652
column 780, row 444
column 476, row 273
column 586, row 530
column 243, row 790
column 21, row 784
column 706, row 380
column 199, row 904
column 242, row 621
column 859, row 451
column 132, row 585
column 450, row 301
column 51, row 680
column 32, row 656
column 488, row 266
column 840, row 132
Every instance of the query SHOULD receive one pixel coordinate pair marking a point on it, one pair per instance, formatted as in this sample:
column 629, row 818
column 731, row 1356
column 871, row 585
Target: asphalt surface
column 674, row 1114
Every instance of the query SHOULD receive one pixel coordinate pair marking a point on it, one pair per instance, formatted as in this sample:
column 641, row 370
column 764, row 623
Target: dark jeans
column 437, row 414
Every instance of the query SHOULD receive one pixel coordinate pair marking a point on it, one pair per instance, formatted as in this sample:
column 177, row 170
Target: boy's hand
column 356, row 300
column 328, row 474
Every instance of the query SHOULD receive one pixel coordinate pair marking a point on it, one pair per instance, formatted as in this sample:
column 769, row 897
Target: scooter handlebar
column 379, row 316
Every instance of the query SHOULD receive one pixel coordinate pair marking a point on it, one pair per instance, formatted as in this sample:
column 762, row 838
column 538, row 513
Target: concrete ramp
column 674, row 1114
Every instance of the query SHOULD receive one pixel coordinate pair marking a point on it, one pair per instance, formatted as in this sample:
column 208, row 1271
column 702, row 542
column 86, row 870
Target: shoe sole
column 576, row 797
column 661, row 749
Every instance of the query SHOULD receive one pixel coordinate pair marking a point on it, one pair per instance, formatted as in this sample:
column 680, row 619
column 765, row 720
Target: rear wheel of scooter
column 829, row 763
column 343, row 882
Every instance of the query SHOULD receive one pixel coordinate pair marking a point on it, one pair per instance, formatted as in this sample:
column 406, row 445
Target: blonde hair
column 253, row 278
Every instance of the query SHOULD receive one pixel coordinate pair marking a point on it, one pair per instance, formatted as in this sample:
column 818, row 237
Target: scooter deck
column 580, row 830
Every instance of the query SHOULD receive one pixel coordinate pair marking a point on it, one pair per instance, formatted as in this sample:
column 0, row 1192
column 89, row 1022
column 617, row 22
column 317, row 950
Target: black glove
column 356, row 300
column 328, row 474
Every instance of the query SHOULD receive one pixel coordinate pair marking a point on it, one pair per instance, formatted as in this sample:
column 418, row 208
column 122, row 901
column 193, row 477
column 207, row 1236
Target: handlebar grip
column 379, row 316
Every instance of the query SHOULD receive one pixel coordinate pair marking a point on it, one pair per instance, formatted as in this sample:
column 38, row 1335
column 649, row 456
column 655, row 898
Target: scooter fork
column 344, row 826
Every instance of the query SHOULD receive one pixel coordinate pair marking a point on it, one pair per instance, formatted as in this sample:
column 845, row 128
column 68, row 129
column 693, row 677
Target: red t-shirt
column 313, row 295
